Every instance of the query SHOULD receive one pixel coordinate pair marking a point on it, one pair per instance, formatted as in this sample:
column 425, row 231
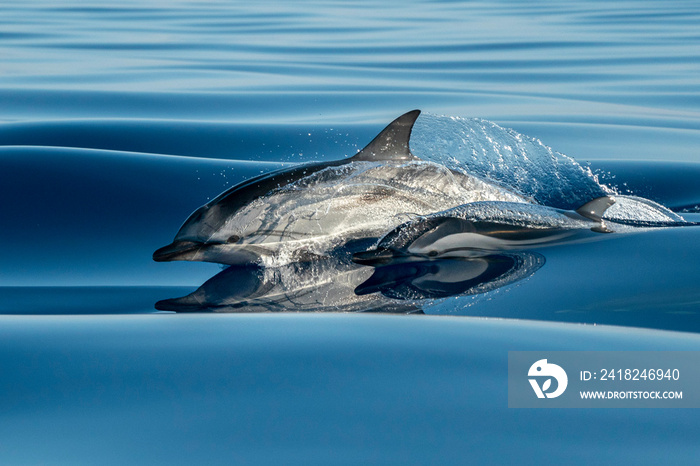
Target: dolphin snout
column 177, row 250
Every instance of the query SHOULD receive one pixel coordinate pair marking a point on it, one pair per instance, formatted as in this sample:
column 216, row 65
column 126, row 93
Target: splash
column 637, row 210
column 507, row 158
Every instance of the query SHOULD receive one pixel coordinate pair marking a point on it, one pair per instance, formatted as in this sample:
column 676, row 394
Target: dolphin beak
column 178, row 250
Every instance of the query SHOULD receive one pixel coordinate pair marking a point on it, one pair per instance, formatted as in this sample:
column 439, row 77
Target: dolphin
column 300, row 213
column 478, row 229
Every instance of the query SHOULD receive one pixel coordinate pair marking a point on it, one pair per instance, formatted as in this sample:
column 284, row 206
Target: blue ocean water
column 119, row 120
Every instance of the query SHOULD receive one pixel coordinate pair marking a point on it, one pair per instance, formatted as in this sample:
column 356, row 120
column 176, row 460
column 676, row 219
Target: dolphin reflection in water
column 339, row 285
column 323, row 285
column 442, row 278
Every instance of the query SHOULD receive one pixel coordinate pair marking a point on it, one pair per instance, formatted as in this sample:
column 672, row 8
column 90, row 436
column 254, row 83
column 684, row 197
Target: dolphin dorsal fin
column 595, row 209
column 392, row 142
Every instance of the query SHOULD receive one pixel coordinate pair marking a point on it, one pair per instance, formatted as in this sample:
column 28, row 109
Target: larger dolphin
column 305, row 211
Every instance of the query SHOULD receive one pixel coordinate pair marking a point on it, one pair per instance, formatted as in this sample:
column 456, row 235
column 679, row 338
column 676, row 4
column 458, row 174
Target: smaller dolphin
column 477, row 229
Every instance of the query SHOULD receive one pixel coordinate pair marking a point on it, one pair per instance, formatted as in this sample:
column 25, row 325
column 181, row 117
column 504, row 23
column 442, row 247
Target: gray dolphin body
column 303, row 212
column 478, row 229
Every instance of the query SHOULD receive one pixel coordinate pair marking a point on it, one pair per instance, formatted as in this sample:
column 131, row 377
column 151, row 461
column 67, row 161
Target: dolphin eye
column 233, row 239
column 433, row 253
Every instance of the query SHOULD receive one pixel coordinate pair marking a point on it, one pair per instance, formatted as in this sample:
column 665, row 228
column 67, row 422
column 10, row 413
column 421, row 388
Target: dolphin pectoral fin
column 595, row 209
column 177, row 250
column 392, row 142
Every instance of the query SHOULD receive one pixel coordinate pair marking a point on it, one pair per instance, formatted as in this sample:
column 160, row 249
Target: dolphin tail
column 595, row 209
column 392, row 142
